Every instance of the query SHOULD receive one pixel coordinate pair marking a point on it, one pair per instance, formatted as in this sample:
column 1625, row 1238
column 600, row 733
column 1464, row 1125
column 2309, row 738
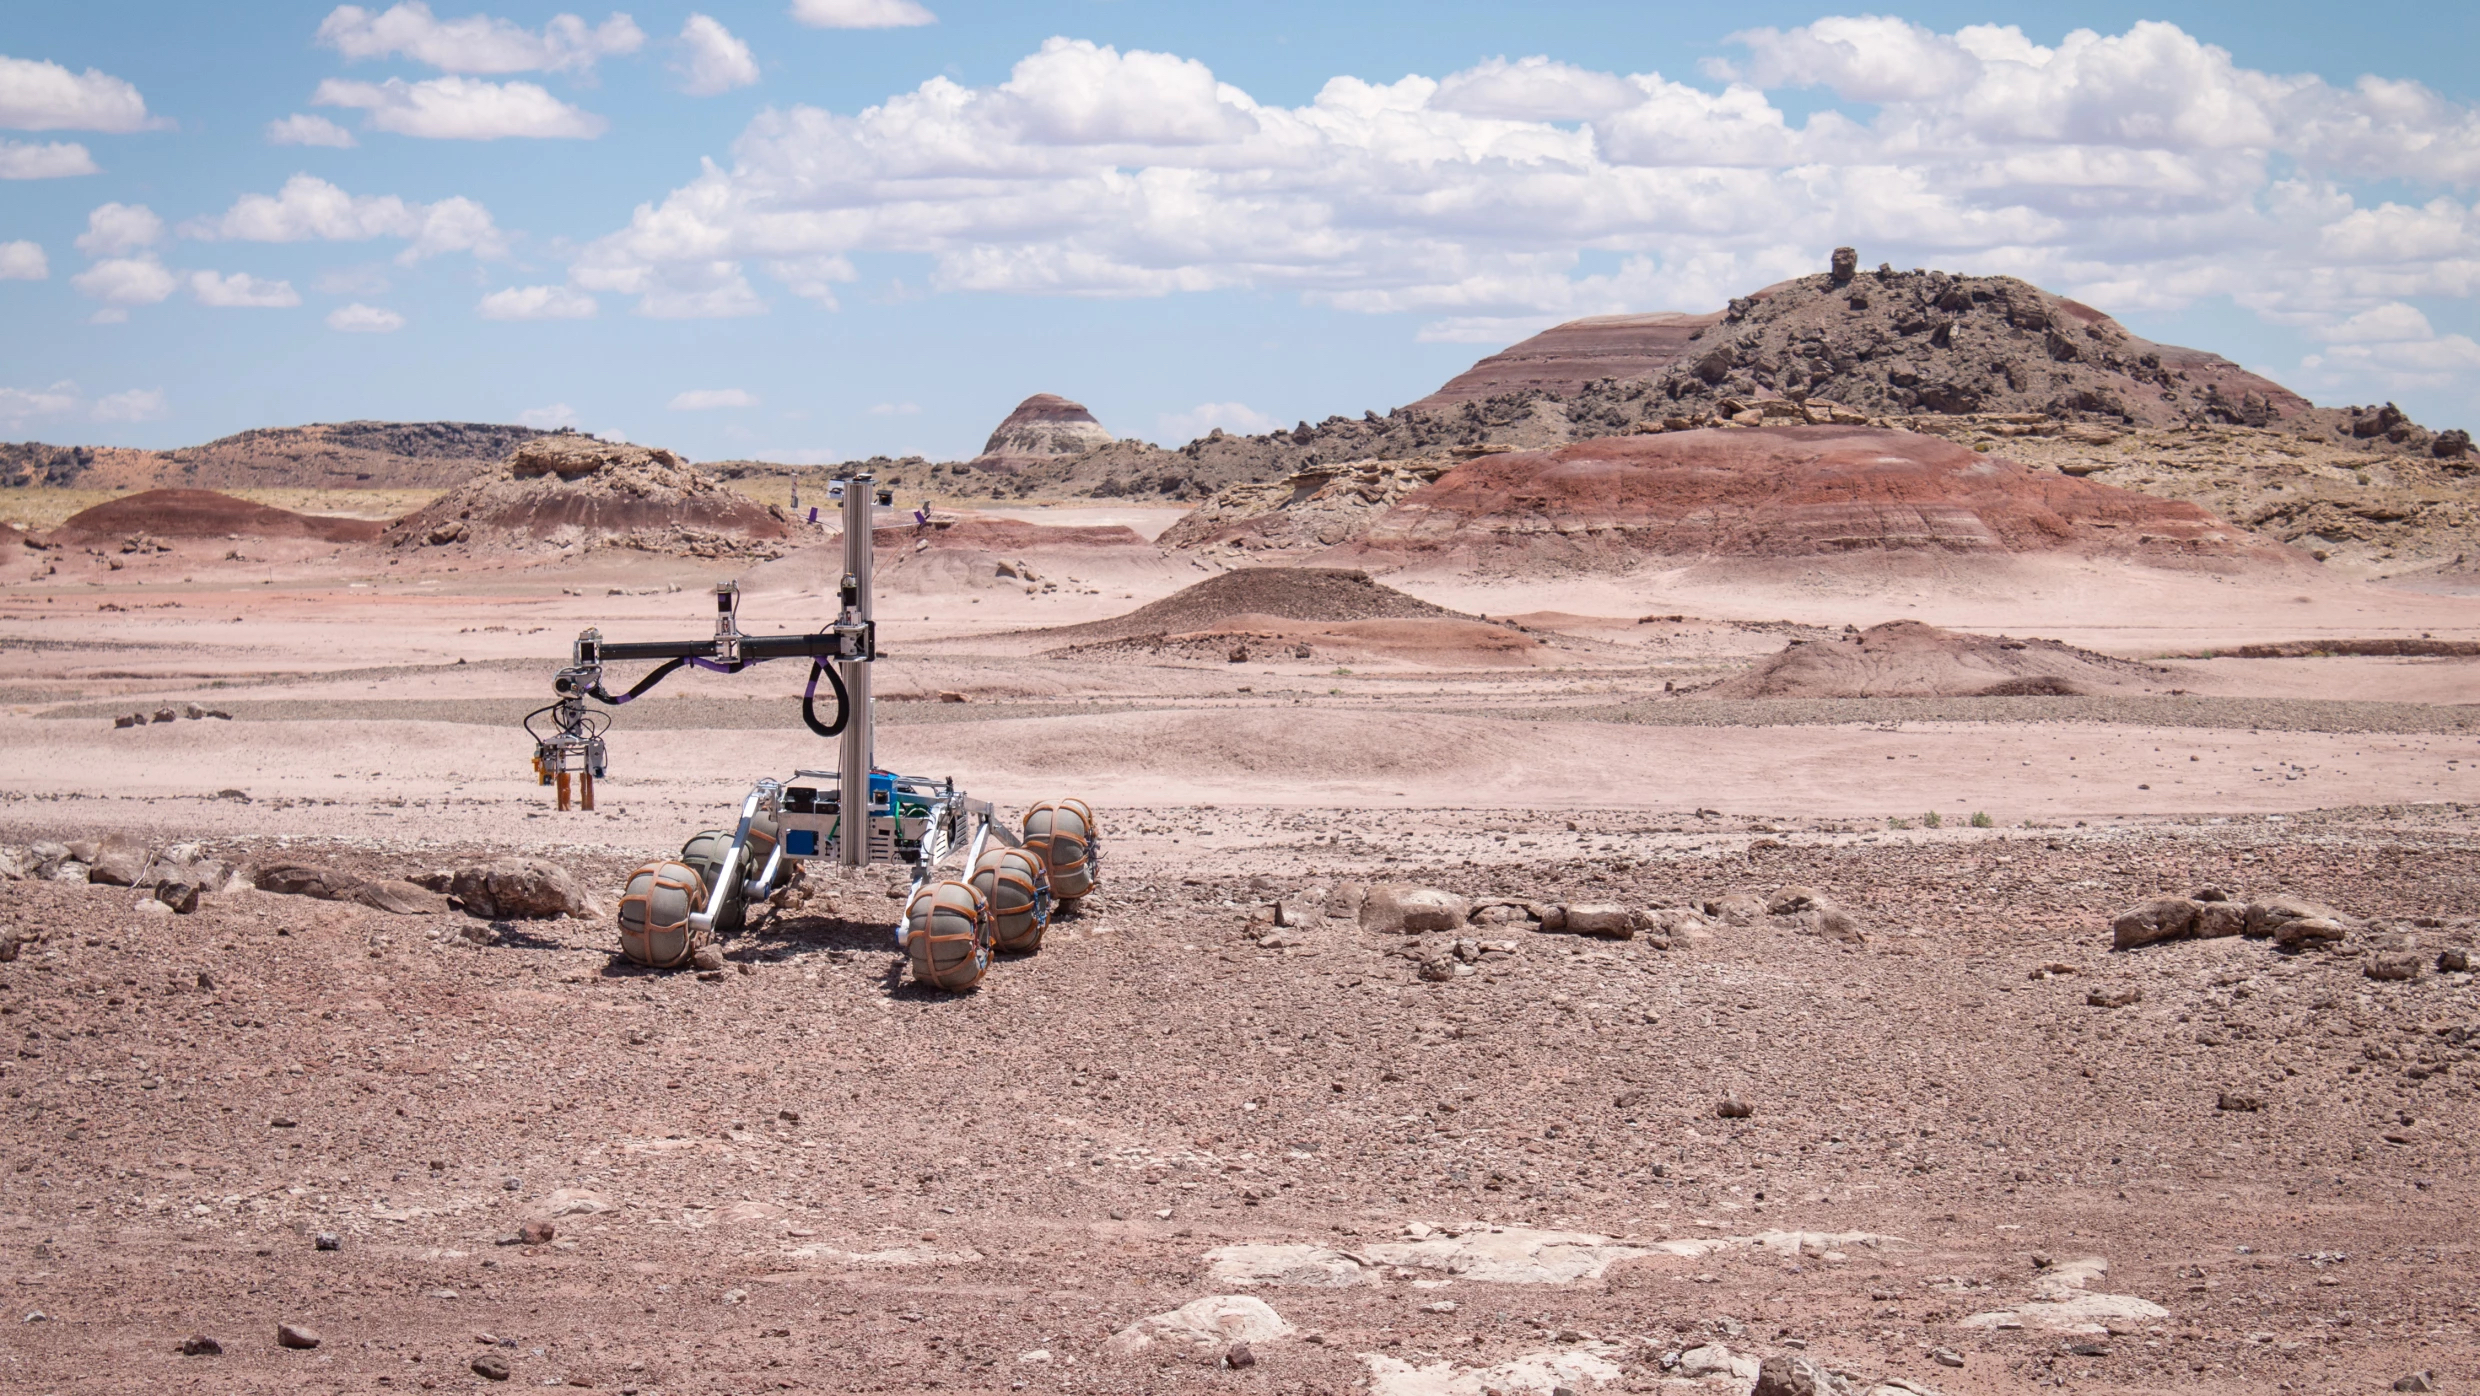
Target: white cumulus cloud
column 358, row 318
column 862, row 14
column 115, row 228
column 308, row 209
column 302, row 128
column 896, row 409
column 477, row 43
column 461, row 109
column 2140, row 169
column 551, row 418
column 135, row 405
column 121, row 282
column 51, row 160
column 712, row 60
column 39, row 96
column 18, row 406
column 241, row 289
column 537, row 303
column 1534, row 89
column 708, row 399
column 23, row 261
column 21, row 405
column 1235, row 417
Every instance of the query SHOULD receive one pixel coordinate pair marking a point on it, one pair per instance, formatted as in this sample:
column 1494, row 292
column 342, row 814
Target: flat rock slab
column 1511, row 1255
column 1574, row 1368
column 1305, row 1267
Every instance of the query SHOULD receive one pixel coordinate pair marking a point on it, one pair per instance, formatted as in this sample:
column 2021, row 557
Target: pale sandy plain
column 822, row 1179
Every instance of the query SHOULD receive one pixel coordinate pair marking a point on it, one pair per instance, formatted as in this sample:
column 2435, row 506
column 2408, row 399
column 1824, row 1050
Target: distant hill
column 323, row 455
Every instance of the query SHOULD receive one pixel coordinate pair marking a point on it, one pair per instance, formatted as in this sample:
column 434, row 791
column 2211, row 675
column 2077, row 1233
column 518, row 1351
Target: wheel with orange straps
column 1071, row 845
column 947, row 936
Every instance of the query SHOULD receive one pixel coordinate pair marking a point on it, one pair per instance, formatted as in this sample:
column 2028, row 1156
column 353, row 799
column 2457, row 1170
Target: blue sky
column 812, row 229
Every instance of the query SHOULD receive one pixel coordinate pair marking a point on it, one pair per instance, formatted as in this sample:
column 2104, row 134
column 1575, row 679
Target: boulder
column 1808, row 910
column 2163, row 918
column 118, row 863
column 1203, row 1325
column 518, row 887
column 1344, row 903
column 2310, row 933
column 398, row 898
column 16, row 864
column 2398, row 966
column 1717, row 1360
column 1737, row 909
column 1796, row 1374
column 1788, row 900
column 2265, row 919
column 305, row 880
column 1401, row 908
column 179, row 894
column 43, row 859
column 1608, row 920
column 2216, row 919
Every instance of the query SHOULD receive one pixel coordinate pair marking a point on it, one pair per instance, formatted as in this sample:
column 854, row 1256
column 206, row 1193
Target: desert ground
column 1867, row 1084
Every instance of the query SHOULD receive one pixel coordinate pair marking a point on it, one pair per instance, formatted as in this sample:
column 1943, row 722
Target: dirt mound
column 1285, row 593
column 1781, row 492
column 564, row 490
column 1043, row 427
column 1906, row 659
column 323, row 455
column 1429, row 642
column 206, row 514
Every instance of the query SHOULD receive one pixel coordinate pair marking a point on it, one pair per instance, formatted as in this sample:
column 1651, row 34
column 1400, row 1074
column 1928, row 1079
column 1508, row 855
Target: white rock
column 894, row 1255
column 1509, row 1255
column 1218, row 1320
column 1534, row 1371
column 1718, row 1360
column 1307, row 1267
column 1785, row 1243
column 2061, row 1304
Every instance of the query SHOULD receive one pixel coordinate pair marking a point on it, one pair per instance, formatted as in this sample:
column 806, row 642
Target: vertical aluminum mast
column 855, row 754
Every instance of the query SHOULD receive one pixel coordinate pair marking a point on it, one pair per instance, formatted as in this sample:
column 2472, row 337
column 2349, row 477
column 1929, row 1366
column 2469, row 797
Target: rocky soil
column 347, row 455
column 2386, row 512
column 1886, row 1102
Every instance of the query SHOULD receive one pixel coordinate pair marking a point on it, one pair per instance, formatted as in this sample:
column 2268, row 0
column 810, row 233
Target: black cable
column 809, row 700
column 661, row 672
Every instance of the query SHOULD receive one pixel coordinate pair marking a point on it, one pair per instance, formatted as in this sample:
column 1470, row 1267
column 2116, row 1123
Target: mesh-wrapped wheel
column 705, row 851
column 1073, row 844
column 654, row 914
column 947, row 935
column 1015, row 885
